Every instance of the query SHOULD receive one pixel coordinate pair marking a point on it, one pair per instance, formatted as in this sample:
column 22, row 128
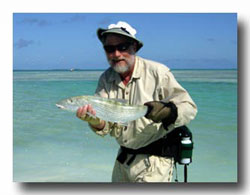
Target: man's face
column 121, row 61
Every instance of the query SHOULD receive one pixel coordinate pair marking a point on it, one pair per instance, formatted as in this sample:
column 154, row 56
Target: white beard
column 120, row 69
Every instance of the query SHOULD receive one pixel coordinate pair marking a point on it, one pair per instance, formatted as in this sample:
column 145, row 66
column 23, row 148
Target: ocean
column 51, row 145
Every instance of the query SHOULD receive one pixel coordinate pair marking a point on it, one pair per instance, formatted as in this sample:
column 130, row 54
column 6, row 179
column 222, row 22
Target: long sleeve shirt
column 150, row 81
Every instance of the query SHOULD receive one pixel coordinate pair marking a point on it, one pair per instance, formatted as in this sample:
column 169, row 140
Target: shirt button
column 125, row 128
column 125, row 141
column 127, row 93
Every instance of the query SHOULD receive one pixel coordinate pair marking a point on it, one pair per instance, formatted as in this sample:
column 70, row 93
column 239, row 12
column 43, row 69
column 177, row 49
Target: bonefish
column 111, row 110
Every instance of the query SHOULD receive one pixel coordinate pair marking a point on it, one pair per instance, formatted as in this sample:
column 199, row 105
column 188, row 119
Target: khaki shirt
column 150, row 81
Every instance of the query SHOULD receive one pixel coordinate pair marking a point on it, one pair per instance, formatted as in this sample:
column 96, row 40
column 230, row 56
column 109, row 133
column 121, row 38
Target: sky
column 47, row 41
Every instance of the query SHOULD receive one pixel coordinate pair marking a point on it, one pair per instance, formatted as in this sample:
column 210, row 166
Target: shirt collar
column 137, row 69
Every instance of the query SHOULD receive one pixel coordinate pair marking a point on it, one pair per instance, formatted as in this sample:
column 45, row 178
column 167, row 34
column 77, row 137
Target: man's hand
column 95, row 122
column 162, row 112
column 157, row 111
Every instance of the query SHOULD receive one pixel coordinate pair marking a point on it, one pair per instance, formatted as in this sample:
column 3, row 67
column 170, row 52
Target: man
column 139, row 81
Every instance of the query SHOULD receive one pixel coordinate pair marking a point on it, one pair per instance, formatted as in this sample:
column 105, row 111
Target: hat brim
column 102, row 32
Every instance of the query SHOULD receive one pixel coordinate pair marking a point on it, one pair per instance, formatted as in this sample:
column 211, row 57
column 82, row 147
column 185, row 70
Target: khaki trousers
column 144, row 168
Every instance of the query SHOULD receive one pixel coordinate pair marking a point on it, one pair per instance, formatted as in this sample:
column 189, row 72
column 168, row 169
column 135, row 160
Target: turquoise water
column 51, row 145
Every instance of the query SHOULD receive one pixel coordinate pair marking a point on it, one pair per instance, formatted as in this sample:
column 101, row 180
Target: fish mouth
column 60, row 106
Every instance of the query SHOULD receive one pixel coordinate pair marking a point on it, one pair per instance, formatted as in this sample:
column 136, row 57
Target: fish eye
column 70, row 101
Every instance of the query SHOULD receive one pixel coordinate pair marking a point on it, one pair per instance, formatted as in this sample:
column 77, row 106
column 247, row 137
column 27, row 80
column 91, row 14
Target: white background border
column 184, row 6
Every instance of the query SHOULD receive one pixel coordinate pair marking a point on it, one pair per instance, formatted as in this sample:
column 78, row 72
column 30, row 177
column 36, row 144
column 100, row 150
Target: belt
column 158, row 148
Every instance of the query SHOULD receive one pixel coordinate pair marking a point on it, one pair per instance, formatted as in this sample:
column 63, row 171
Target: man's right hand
column 95, row 122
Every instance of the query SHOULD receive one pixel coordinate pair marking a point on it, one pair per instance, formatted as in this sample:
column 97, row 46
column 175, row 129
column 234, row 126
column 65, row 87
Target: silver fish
column 111, row 110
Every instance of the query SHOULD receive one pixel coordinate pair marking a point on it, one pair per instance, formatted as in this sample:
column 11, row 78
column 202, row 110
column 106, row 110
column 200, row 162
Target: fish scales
column 106, row 109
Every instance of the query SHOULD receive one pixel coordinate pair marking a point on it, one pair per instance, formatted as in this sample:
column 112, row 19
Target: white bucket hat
column 121, row 28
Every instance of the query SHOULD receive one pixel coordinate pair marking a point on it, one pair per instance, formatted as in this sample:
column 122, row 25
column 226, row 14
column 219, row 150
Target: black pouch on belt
column 168, row 146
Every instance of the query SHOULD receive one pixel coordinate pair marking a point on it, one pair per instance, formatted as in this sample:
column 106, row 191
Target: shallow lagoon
column 54, row 146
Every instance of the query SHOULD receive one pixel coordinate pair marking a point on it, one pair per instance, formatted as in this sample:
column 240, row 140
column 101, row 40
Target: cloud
column 21, row 43
column 75, row 18
column 211, row 40
column 35, row 21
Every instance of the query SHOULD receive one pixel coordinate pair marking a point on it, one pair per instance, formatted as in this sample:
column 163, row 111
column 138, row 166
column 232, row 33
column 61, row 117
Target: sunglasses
column 120, row 47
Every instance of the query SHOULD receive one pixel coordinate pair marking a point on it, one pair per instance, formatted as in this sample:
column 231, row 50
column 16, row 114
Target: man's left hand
column 157, row 111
